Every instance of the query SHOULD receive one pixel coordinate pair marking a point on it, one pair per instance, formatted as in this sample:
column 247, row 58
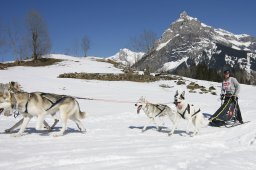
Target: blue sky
column 111, row 23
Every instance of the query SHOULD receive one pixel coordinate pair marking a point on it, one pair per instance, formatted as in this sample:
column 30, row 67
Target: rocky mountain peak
column 183, row 15
column 188, row 41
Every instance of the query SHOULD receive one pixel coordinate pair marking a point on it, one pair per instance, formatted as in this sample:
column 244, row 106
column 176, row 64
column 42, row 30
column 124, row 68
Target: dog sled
column 226, row 115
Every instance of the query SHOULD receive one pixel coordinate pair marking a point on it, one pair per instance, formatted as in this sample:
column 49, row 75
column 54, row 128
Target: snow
column 235, row 47
column 204, row 25
column 160, row 46
column 127, row 57
column 223, row 32
column 172, row 65
column 232, row 38
column 114, row 139
column 241, row 35
column 237, row 43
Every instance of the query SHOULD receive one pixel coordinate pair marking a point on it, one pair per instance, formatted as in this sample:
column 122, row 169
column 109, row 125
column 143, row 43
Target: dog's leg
column 23, row 126
column 156, row 125
column 47, row 126
column 173, row 129
column 187, row 129
column 145, row 126
column 196, row 126
column 55, row 122
column 162, row 123
column 175, row 123
column 64, row 119
column 40, row 120
column 14, row 126
column 80, row 126
column 150, row 122
column 78, row 123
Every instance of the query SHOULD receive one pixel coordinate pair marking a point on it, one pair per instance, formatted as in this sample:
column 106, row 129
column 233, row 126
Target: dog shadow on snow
column 163, row 129
column 44, row 132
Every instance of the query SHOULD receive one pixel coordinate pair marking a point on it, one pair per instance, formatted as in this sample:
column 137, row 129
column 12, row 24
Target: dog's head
column 7, row 99
column 5, row 103
column 140, row 103
column 179, row 98
column 14, row 87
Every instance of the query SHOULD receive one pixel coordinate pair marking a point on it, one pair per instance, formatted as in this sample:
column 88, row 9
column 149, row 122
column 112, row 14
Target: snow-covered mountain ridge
column 188, row 41
column 126, row 57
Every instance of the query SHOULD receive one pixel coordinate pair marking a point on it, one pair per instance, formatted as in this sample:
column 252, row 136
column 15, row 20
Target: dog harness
column 43, row 95
column 26, row 106
column 161, row 110
column 188, row 109
column 52, row 102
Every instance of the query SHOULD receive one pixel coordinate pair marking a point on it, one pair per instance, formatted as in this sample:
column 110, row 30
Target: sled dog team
column 40, row 104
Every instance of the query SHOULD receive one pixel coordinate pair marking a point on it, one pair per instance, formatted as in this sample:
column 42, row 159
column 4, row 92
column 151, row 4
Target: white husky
column 154, row 111
column 189, row 112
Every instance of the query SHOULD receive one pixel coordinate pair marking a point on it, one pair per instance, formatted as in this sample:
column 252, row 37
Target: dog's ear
column 14, row 86
column 183, row 94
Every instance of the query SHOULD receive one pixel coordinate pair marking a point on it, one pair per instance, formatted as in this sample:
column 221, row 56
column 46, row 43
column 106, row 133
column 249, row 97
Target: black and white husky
column 154, row 111
column 189, row 112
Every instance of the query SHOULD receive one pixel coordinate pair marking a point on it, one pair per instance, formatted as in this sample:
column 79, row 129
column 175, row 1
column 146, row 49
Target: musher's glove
column 222, row 97
column 234, row 98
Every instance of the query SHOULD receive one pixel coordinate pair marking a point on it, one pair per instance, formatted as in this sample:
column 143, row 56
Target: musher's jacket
column 230, row 87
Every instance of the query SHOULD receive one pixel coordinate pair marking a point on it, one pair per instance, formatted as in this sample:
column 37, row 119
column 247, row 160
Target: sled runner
column 234, row 124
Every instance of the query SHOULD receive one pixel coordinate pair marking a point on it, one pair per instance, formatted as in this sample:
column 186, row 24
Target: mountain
column 126, row 57
column 188, row 41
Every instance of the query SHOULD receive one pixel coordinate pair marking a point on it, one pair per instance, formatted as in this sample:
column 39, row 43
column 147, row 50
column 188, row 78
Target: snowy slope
column 114, row 140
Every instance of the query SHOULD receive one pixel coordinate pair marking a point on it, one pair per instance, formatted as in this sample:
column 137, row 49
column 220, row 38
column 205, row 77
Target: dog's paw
column 83, row 131
column 48, row 128
column 170, row 134
column 7, row 131
column 143, row 130
column 193, row 134
column 16, row 135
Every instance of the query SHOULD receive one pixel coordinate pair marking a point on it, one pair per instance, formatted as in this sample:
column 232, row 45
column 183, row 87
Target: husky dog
column 189, row 112
column 40, row 104
column 154, row 111
column 16, row 87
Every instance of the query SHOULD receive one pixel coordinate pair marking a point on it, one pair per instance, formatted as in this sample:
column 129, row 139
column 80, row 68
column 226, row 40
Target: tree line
column 202, row 71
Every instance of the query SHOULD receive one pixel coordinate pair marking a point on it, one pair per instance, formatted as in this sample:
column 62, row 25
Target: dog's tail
column 82, row 115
